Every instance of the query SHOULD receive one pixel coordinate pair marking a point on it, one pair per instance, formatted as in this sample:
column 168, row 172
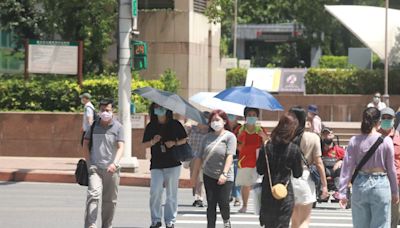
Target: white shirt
column 87, row 112
column 380, row 105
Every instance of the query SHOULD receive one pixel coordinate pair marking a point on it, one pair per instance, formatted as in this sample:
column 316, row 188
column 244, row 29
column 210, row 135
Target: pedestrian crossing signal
column 138, row 55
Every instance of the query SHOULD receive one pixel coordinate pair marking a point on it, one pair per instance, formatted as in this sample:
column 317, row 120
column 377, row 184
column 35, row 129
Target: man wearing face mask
column 376, row 102
column 250, row 138
column 106, row 144
column 88, row 114
column 387, row 129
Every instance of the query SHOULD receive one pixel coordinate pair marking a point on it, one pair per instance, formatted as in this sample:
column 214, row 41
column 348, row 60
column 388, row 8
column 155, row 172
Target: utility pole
column 386, row 95
column 125, row 79
column 235, row 28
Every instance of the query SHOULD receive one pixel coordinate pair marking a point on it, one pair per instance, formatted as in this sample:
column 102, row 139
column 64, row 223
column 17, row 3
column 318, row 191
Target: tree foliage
column 320, row 27
column 23, row 17
column 93, row 22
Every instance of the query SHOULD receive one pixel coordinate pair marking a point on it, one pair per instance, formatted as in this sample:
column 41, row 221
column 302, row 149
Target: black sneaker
column 227, row 223
column 156, row 225
column 170, row 226
column 198, row 203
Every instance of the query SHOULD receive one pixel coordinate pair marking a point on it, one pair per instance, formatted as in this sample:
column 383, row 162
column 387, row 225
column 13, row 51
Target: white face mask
column 217, row 125
column 377, row 100
column 106, row 116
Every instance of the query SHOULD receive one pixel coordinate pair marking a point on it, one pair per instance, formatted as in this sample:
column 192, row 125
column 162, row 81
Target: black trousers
column 217, row 194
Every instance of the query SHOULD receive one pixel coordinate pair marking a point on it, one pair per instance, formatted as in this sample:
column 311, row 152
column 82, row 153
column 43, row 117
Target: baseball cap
column 86, row 95
column 387, row 111
column 326, row 129
column 313, row 109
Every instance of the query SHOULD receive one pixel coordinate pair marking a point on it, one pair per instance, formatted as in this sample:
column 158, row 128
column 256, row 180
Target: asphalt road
column 45, row 205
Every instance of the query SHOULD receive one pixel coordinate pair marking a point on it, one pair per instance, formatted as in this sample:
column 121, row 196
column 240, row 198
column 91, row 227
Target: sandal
column 242, row 210
column 236, row 203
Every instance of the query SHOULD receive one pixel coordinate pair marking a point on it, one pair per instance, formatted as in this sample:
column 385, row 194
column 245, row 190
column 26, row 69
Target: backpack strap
column 91, row 136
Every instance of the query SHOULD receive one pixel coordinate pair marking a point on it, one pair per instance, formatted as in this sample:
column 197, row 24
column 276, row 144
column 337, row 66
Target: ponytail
column 371, row 117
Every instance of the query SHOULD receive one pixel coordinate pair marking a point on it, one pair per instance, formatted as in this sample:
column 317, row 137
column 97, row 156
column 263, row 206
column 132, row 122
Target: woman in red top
column 250, row 138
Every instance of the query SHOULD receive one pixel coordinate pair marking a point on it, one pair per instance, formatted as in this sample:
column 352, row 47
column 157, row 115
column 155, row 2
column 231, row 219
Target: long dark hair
column 223, row 115
column 371, row 117
column 153, row 117
column 286, row 129
column 300, row 115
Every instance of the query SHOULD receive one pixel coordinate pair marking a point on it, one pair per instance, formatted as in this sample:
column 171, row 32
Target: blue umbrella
column 172, row 102
column 250, row 97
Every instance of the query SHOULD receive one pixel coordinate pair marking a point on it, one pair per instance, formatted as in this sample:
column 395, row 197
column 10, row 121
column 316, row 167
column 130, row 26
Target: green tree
column 23, row 18
column 169, row 80
column 94, row 22
column 320, row 28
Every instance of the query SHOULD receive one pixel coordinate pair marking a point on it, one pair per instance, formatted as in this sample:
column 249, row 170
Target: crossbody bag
column 366, row 157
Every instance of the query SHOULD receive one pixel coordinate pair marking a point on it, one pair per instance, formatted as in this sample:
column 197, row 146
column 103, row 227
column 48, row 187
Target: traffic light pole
column 125, row 79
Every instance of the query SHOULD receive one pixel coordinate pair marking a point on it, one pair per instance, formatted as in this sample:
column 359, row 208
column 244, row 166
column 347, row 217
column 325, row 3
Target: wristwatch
column 225, row 174
column 117, row 165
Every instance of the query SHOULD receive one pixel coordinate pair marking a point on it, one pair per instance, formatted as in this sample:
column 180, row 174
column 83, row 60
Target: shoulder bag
column 366, row 157
column 279, row 191
column 182, row 152
column 81, row 173
column 315, row 177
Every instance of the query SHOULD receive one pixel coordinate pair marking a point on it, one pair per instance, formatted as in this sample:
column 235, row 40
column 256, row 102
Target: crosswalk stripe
column 312, row 224
column 256, row 216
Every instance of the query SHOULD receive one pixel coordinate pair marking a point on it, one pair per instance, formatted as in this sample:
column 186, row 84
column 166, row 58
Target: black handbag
column 81, row 173
column 182, row 152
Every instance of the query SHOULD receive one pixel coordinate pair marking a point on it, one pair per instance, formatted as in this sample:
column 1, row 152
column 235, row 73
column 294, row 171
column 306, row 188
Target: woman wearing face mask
column 375, row 185
column 216, row 157
column 161, row 134
column 250, row 138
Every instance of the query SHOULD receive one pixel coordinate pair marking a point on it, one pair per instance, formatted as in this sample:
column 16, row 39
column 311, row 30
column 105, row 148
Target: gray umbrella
column 172, row 102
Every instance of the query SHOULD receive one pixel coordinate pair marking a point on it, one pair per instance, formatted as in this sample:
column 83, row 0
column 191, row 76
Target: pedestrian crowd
column 293, row 165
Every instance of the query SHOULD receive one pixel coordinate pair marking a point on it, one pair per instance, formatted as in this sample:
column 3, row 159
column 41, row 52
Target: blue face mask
column 160, row 111
column 251, row 120
column 387, row 124
column 231, row 117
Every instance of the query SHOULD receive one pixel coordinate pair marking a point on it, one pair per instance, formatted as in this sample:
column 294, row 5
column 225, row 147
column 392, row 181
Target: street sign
column 134, row 8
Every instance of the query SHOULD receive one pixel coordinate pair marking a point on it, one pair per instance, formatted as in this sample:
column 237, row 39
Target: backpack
column 95, row 115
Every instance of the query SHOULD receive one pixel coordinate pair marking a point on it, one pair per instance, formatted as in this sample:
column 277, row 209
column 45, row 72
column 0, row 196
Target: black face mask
column 327, row 141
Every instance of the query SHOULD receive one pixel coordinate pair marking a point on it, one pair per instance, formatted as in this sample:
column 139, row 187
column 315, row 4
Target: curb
column 127, row 179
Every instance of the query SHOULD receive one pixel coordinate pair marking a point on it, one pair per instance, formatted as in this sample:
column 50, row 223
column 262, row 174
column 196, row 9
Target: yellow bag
column 279, row 191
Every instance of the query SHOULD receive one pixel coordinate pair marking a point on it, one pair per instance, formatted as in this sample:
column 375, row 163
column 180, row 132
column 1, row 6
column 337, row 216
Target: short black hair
column 249, row 109
column 106, row 101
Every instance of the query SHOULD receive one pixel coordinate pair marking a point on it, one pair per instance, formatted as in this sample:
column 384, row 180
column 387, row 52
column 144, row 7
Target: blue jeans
column 235, row 189
column 168, row 177
column 371, row 201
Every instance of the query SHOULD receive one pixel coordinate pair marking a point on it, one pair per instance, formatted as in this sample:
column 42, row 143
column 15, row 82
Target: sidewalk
column 62, row 170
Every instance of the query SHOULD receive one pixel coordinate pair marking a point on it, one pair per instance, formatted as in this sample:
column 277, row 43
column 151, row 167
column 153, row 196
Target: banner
column 264, row 78
column 292, row 80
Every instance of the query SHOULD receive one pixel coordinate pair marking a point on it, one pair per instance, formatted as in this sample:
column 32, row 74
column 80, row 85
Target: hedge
column 342, row 81
column 335, row 81
column 58, row 93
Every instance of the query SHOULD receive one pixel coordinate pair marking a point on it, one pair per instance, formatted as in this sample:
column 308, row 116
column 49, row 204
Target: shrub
column 58, row 93
column 333, row 62
column 236, row 77
column 350, row 81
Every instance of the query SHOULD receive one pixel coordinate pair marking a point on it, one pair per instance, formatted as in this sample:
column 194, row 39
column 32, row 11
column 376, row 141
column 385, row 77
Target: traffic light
column 139, row 55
